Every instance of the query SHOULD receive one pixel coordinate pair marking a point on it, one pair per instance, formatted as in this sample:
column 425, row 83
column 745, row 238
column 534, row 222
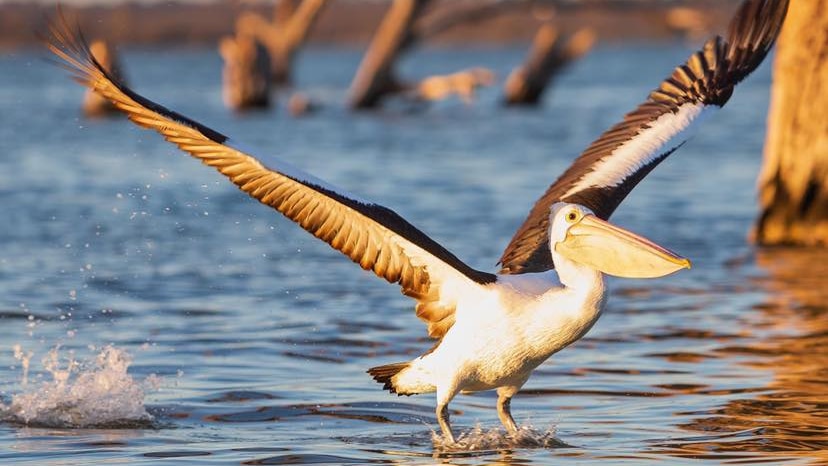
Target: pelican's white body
column 506, row 330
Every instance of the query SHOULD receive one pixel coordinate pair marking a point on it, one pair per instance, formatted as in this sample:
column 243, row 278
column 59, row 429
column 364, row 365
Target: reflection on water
column 788, row 417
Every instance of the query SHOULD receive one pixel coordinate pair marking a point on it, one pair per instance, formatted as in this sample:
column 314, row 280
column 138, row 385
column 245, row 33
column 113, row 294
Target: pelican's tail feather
column 385, row 375
column 404, row 378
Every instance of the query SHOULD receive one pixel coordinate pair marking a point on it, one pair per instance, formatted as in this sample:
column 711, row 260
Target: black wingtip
column 751, row 35
column 72, row 50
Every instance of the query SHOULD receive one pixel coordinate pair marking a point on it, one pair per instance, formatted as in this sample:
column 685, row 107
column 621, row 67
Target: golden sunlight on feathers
column 316, row 209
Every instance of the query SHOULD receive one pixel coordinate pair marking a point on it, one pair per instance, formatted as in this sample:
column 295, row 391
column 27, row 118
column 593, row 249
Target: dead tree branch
column 549, row 55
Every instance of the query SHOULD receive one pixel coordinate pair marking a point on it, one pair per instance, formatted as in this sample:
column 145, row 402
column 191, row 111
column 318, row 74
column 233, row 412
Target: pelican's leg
column 504, row 410
column 443, row 419
column 443, row 398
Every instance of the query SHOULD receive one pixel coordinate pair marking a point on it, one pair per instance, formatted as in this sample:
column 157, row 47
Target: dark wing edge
column 602, row 176
column 371, row 235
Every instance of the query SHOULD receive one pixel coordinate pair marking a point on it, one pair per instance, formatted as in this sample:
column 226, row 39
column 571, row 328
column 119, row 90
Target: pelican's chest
column 561, row 317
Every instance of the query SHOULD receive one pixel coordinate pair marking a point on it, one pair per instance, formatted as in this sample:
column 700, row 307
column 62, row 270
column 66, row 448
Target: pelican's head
column 580, row 236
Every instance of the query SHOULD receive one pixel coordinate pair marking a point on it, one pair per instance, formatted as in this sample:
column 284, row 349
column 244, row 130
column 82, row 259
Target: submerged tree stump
column 793, row 183
column 94, row 105
column 246, row 73
column 300, row 105
column 550, row 53
column 285, row 35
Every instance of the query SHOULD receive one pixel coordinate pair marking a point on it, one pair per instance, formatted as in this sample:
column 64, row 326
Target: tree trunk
column 282, row 37
column 793, row 183
column 549, row 55
column 246, row 80
column 283, row 11
column 375, row 76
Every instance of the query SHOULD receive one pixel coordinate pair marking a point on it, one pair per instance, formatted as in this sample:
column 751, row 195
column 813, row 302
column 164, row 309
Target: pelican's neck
column 566, row 313
column 575, row 276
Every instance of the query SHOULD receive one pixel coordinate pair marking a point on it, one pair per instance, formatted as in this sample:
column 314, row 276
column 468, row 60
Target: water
column 249, row 339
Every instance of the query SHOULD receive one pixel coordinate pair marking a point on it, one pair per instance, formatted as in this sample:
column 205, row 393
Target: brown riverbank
column 351, row 22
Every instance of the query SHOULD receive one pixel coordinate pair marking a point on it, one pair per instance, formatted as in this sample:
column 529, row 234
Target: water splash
column 82, row 394
column 480, row 439
column 25, row 359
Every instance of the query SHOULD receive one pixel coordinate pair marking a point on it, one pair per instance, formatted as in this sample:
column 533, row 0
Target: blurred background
column 352, row 22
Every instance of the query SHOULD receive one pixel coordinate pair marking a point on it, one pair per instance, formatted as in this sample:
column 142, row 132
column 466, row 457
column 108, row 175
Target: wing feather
column 614, row 164
column 372, row 236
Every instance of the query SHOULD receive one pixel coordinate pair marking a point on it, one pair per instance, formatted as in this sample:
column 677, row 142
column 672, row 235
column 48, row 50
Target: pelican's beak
column 616, row 251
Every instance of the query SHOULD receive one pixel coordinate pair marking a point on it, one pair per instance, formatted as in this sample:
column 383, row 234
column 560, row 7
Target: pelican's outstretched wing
column 371, row 235
column 621, row 157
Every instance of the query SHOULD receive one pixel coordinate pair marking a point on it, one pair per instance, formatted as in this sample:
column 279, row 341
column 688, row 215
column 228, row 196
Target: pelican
column 492, row 329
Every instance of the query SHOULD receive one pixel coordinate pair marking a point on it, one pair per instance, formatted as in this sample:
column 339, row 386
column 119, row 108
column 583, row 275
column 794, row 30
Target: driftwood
column 462, row 84
column 246, row 74
column 549, row 55
column 93, row 104
column 793, row 183
column 404, row 26
column 285, row 35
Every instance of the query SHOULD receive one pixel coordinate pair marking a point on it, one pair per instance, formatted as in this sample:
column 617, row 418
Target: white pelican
column 492, row 329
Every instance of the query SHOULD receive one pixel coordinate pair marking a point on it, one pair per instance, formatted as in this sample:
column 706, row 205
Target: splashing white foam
column 480, row 439
column 95, row 394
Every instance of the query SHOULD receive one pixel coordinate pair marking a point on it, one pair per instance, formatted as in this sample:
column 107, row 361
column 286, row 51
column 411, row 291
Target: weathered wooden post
column 793, row 183
column 246, row 73
column 549, row 54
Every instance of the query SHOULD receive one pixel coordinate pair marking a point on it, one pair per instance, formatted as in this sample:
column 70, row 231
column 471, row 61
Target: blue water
column 249, row 338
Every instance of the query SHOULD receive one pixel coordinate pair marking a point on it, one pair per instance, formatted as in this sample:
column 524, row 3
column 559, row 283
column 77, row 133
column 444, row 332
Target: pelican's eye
column 572, row 216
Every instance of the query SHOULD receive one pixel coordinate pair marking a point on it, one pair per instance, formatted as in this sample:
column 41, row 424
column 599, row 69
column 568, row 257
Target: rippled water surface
column 185, row 322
